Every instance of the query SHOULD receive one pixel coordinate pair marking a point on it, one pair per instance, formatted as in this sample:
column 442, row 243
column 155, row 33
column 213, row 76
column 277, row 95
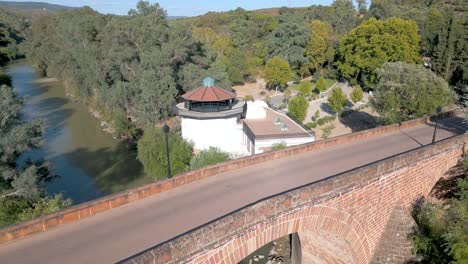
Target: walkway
column 121, row 232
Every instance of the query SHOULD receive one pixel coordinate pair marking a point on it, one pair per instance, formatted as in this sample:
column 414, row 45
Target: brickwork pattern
column 395, row 245
column 355, row 206
column 88, row 209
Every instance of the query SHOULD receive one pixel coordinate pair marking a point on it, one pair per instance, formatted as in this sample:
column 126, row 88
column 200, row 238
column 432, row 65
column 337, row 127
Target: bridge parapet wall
column 354, row 206
column 87, row 209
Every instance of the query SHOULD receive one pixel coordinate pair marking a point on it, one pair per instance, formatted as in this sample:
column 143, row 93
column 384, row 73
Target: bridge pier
column 296, row 250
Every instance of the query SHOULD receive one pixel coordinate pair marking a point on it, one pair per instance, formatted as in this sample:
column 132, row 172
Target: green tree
column 208, row 157
column 277, row 72
column 337, row 100
column 406, row 91
column 373, row 43
column 357, row 94
column 152, row 153
column 22, row 194
column 297, row 108
column 321, row 84
column 289, row 40
column 344, row 16
column 319, row 44
column 442, row 236
column 305, row 88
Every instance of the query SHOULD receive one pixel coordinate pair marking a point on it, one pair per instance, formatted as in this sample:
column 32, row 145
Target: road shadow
column 454, row 124
column 358, row 121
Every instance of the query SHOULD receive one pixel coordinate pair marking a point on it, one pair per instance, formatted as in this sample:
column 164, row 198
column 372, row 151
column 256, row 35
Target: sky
column 184, row 7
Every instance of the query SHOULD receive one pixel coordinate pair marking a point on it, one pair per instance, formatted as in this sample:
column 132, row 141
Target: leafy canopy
column 277, row 72
column 22, row 194
column 297, row 108
column 405, row 91
column 207, row 157
column 357, row 94
column 337, row 100
column 152, row 153
column 375, row 42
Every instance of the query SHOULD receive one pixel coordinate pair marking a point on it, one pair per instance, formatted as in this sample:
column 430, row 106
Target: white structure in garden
column 214, row 117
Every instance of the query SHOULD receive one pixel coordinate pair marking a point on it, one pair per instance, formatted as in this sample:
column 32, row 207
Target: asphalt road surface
column 116, row 234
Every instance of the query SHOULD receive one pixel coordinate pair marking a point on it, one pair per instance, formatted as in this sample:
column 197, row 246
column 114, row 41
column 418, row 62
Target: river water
column 89, row 163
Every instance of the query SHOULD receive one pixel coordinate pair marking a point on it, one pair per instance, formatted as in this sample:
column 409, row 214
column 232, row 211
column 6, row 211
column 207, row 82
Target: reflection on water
column 89, row 162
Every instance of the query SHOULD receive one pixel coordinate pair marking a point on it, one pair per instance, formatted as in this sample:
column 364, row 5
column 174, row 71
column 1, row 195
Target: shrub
column 317, row 114
column 297, row 108
column 208, row 157
column 327, row 119
column 249, row 98
column 442, row 234
column 278, row 146
column 311, row 125
column 357, row 94
column 321, row 85
column 152, row 152
column 337, row 100
column 327, row 131
column 305, row 88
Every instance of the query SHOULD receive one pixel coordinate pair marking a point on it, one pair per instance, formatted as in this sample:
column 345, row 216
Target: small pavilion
column 211, row 117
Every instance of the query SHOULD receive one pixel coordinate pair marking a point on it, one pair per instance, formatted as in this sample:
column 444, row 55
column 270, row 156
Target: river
column 89, row 163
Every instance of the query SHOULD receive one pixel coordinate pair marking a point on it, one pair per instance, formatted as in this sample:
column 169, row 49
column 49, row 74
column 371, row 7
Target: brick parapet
column 363, row 199
column 81, row 211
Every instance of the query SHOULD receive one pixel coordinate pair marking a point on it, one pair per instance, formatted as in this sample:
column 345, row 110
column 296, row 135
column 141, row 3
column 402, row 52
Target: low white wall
column 267, row 143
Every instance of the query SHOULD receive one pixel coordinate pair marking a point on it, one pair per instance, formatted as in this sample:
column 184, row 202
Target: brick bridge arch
column 306, row 221
column 353, row 207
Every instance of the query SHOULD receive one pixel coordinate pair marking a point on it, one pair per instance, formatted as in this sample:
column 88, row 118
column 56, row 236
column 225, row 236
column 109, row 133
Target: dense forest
column 134, row 67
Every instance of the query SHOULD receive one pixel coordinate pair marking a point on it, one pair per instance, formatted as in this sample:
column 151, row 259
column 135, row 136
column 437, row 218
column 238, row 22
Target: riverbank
column 89, row 162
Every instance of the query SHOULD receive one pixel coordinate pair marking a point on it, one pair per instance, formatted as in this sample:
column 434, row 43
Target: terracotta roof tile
column 209, row 94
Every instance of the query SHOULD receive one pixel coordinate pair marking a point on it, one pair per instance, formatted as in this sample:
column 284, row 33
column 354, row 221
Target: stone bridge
column 339, row 217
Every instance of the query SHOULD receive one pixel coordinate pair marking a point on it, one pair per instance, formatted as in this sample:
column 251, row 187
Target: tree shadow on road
column 358, row 121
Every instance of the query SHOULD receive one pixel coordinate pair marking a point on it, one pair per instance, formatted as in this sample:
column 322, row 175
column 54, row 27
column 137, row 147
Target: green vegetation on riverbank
column 22, row 194
column 442, row 235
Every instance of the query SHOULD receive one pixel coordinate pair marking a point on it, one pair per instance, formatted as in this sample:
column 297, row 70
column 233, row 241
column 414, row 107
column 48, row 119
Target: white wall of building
column 267, row 143
column 225, row 134
column 256, row 109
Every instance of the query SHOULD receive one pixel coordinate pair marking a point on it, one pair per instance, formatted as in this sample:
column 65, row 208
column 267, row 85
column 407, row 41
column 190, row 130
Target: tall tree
column 297, row 108
column 320, row 47
column 373, row 43
column 152, row 153
column 344, row 16
column 406, row 91
column 277, row 72
column 289, row 40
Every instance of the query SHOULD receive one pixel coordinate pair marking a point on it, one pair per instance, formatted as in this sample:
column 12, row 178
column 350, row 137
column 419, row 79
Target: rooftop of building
column 274, row 125
column 209, row 93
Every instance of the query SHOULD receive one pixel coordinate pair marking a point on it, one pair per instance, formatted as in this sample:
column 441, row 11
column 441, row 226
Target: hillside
column 33, row 6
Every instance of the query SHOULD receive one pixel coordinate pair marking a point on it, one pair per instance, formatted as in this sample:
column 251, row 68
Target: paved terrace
column 116, row 234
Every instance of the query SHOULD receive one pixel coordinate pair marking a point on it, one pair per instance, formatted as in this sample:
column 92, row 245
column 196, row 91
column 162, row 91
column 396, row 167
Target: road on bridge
column 116, row 234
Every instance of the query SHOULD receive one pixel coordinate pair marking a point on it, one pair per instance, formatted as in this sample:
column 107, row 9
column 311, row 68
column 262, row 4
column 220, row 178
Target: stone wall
column 353, row 207
column 78, row 212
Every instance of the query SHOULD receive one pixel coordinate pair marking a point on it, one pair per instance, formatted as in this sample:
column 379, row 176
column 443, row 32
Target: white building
column 264, row 127
column 214, row 117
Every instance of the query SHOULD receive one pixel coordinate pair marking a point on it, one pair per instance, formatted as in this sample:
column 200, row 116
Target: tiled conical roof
column 209, row 94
